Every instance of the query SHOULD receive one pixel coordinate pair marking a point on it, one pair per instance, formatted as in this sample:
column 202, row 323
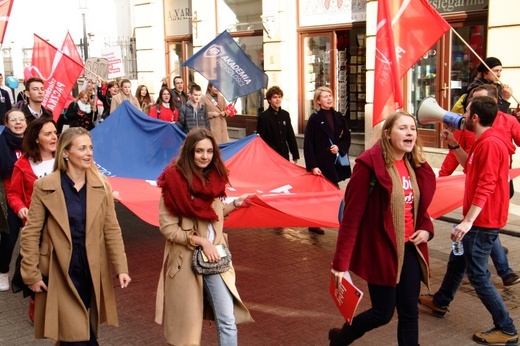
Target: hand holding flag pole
column 481, row 60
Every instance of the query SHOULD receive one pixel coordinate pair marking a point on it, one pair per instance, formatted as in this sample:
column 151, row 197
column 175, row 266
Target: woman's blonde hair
column 317, row 94
column 64, row 143
column 415, row 157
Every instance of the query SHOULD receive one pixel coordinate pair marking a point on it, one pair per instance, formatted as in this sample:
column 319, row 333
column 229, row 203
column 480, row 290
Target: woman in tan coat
column 191, row 214
column 216, row 109
column 125, row 94
column 71, row 228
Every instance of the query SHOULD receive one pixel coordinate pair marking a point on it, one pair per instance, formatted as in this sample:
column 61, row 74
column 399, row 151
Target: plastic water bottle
column 458, row 249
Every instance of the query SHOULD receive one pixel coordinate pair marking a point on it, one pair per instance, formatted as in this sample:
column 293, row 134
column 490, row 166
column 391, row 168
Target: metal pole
column 85, row 43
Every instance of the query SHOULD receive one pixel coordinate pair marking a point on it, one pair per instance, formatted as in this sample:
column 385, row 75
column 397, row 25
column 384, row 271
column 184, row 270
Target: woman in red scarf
column 191, row 214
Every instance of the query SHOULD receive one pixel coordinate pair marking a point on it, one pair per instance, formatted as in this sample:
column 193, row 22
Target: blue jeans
column 222, row 303
column 499, row 257
column 478, row 243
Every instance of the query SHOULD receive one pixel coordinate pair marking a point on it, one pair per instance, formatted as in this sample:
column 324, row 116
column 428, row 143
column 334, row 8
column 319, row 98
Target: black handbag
column 201, row 266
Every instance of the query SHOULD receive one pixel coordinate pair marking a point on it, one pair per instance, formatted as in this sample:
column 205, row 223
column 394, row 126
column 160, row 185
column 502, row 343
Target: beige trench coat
column 60, row 313
column 180, row 304
column 217, row 122
column 119, row 98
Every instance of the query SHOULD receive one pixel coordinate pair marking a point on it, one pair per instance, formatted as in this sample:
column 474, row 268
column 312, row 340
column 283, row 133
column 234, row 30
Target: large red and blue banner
column 224, row 64
column 132, row 149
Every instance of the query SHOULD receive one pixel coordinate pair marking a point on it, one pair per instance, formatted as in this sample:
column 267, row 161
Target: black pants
column 8, row 240
column 404, row 297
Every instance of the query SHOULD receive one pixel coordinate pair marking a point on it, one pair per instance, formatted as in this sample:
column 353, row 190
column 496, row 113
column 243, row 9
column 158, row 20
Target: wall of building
column 503, row 29
column 280, row 52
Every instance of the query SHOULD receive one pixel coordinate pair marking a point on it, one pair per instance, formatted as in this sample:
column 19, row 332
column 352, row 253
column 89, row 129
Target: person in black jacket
column 274, row 126
column 5, row 104
column 326, row 136
column 35, row 92
column 486, row 76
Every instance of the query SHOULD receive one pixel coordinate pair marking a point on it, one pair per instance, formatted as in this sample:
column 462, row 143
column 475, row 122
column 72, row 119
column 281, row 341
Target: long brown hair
column 186, row 160
column 415, row 157
column 29, row 145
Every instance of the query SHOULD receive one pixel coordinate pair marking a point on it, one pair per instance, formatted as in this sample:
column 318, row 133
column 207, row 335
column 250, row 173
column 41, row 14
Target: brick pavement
column 282, row 276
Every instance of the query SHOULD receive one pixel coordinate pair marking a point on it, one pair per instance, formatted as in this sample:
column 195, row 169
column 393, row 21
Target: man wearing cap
column 485, row 76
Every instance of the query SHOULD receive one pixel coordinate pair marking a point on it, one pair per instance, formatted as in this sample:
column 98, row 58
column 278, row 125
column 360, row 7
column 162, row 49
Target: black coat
column 317, row 144
column 275, row 128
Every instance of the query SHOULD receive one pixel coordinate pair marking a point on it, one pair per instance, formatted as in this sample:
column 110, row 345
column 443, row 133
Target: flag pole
column 480, row 59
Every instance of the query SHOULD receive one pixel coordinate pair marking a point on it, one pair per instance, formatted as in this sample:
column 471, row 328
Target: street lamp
column 83, row 7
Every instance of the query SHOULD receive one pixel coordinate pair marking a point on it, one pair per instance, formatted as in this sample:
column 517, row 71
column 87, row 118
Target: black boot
column 343, row 336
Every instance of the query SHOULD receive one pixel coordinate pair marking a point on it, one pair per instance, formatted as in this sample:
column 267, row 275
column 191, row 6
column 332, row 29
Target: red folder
column 231, row 110
column 347, row 298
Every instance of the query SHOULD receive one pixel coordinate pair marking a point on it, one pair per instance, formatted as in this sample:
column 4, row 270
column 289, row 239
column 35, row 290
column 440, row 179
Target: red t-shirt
column 408, row 198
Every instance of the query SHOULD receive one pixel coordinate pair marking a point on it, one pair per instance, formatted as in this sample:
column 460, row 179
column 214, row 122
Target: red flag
column 69, row 48
column 5, row 11
column 387, row 89
column 415, row 27
column 58, row 71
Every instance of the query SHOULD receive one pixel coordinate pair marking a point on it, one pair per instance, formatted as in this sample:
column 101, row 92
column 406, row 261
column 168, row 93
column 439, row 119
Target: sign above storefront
column 450, row 6
column 177, row 17
column 327, row 12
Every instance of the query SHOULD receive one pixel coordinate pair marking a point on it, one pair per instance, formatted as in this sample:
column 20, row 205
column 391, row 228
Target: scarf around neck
column 9, row 143
column 397, row 209
column 84, row 107
column 180, row 202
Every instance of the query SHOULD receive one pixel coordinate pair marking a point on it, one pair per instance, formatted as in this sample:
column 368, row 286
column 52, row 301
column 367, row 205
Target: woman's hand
column 124, row 280
column 38, row 287
column 338, row 276
column 22, row 214
column 240, row 200
column 316, row 171
column 334, row 149
column 420, row 236
column 211, row 252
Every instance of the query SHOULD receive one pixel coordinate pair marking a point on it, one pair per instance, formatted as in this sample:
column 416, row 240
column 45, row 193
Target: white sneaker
column 4, row 282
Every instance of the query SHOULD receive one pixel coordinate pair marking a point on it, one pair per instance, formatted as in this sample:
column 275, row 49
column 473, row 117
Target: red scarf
column 180, row 202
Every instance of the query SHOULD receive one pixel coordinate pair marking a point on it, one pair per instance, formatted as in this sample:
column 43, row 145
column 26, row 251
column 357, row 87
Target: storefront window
column 252, row 104
column 242, row 19
column 175, row 54
column 424, row 81
column 464, row 63
column 351, row 94
column 316, row 68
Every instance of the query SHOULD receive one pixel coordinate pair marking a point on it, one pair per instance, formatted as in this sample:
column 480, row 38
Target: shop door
column 177, row 53
column 318, row 66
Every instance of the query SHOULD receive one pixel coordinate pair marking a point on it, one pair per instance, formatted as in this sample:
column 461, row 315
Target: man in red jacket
column 485, row 210
column 465, row 138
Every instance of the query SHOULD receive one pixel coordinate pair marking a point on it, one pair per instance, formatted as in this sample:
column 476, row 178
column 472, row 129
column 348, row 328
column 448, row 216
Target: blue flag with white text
column 224, row 64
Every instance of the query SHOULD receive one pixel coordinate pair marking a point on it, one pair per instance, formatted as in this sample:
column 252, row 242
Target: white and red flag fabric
column 5, row 12
column 406, row 29
column 58, row 71
column 69, row 48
